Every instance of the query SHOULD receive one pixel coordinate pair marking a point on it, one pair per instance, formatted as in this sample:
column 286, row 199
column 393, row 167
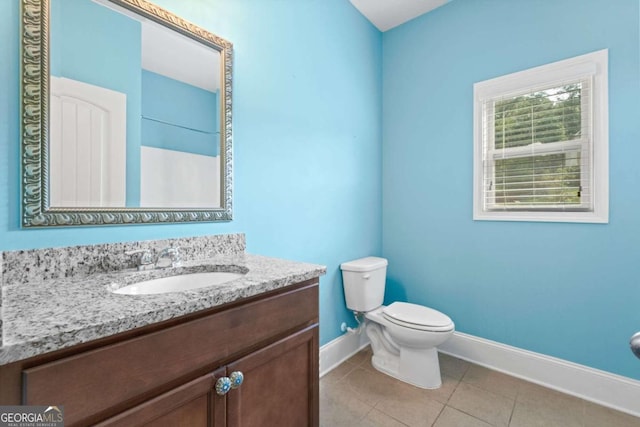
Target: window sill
column 579, row 217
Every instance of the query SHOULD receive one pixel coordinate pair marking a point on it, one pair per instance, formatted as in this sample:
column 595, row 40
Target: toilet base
column 420, row 368
column 417, row 366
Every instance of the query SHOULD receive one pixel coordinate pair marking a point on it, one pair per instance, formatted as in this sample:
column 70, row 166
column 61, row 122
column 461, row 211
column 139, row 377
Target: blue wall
column 82, row 51
column 307, row 176
column 566, row 290
column 306, row 132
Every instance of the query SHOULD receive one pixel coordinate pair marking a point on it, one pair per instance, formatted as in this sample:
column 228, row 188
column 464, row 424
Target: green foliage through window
column 552, row 115
column 538, row 179
column 552, row 179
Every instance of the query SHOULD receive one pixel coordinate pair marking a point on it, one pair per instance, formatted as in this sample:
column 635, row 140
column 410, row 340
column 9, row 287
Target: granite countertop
column 58, row 313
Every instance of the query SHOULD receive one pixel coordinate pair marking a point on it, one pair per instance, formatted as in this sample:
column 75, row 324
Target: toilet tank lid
column 364, row 264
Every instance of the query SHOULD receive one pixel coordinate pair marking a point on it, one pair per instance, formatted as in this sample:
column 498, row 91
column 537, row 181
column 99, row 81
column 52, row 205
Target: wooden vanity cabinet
column 193, row 404
column 281, row 384
column 165, row 375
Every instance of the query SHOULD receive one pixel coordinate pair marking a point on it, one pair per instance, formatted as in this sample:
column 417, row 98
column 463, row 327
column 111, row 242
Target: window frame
column 592, row 67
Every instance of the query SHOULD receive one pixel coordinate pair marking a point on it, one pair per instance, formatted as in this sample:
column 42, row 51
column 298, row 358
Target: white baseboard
column 604, row 388
column 340, row 349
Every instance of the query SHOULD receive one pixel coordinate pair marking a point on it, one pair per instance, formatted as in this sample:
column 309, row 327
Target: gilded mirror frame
column 36, row 210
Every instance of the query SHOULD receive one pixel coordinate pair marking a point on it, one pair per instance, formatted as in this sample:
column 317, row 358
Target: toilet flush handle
column 366, row 276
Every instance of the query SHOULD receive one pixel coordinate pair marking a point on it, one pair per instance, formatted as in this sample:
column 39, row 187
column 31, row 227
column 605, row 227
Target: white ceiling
column 386, row 14
column 169, row 53
column 173, row 55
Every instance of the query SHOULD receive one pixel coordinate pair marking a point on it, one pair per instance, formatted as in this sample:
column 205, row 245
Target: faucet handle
column 142, row 257
column 173, row 254
column 176, row 256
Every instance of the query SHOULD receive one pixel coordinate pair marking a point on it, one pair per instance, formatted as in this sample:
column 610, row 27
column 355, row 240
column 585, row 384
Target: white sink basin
column 183, row 282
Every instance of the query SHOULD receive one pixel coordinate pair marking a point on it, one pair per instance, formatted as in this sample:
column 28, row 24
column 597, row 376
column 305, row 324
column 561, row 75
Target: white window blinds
column 541, row 143
column 537, row 149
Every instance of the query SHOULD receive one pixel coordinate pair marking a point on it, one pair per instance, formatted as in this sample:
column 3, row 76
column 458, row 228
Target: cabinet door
column 280, row 385
column 194, row 404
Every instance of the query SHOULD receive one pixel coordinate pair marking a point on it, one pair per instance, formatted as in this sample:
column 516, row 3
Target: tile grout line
column 389, row 415
column 439, row 414
column 471, row 415
column 513, row 409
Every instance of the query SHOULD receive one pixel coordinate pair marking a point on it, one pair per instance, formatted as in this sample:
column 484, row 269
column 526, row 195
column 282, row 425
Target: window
column 541, row 143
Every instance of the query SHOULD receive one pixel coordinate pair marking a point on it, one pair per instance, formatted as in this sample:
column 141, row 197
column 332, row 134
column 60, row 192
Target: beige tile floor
column 356, row 395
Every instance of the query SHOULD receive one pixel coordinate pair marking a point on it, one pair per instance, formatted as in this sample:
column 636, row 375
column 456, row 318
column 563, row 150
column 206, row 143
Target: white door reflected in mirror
column 87, row 145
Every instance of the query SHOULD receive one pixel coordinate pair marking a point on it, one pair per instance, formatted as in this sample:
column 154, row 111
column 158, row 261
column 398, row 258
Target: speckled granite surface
column 55, row 313
column 36, row 265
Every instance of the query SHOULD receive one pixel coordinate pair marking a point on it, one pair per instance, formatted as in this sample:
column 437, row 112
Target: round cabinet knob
column 236, row 378
column 223, row 385
column 635, row 344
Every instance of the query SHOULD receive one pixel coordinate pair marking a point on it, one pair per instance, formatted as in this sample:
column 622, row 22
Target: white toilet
column 403, row 336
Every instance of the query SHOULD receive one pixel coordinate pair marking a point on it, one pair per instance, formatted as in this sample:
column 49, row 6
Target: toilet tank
column 364, row 280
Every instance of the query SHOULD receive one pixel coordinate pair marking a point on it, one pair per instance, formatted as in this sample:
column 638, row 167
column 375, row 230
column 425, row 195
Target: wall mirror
column 126, row 115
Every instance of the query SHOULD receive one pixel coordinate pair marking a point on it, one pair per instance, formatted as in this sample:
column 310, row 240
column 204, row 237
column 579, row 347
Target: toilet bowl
column 408, row 351
column 403, row 336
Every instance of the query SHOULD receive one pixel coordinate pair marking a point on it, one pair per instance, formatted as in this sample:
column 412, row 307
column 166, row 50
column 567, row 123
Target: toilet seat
column 418, row 317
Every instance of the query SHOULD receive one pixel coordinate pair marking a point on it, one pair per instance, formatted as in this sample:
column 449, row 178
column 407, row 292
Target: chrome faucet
column 169, row 257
